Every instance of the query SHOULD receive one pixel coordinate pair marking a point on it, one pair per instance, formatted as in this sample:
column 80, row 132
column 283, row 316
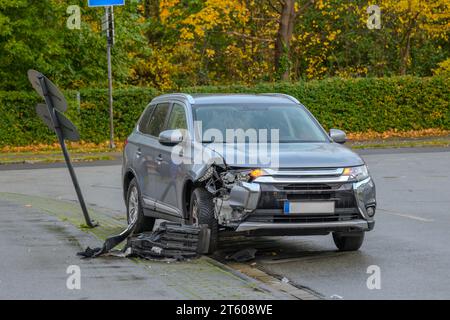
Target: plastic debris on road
column 169, row 240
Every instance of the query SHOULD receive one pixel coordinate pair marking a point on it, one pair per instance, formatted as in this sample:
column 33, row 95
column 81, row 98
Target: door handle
column 159, row 159
column 138, row 152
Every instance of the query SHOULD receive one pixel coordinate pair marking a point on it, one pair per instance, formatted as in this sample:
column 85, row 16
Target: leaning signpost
column 108, row 28
column 52, row 114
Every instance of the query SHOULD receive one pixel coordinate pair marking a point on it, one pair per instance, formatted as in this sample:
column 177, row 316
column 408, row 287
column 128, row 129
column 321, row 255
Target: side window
column 143, row 123
column 156, row 123
column 177, row 119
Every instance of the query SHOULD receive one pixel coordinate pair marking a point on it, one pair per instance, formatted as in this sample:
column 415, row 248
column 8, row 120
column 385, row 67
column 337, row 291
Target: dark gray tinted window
column 293, row 123
column 156, row 123
column 177, row 119
column 143, row 123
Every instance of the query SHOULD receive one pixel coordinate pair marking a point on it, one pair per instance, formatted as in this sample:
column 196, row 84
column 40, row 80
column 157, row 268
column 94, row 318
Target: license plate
column 316, row 207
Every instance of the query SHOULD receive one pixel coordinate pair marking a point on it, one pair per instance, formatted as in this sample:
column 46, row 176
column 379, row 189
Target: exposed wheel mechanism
column 135, row 210
column 201, row 211
column 348, row 241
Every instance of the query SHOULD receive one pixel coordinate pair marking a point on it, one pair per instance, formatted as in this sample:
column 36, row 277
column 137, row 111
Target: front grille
column 273, row 196
column 310, row 186
column 277, row 217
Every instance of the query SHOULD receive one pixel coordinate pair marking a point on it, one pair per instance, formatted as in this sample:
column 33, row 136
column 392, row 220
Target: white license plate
column 316, row 207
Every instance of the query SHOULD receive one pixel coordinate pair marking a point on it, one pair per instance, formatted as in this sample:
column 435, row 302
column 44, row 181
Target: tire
column 134, row 200
column 205, row 215
column 348, row 242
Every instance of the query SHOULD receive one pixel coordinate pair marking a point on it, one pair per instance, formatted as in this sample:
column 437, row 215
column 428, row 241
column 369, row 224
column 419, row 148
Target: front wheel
column 348, row 241
column 202, row 212
column 135, row 210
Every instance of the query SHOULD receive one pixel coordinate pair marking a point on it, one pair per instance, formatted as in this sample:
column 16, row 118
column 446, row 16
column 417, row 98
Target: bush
column 354, row 105
column 362, row 104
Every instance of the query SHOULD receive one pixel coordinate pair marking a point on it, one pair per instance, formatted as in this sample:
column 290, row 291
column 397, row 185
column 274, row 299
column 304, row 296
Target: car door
column 146, row 154
column 171, row 179
column 136, row 144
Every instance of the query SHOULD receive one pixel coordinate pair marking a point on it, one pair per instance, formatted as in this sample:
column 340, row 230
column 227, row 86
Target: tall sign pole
column 109, row 14
column 108, row 28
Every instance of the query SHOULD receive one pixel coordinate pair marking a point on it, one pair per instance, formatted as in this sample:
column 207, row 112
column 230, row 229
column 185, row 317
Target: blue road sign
column 105, row 3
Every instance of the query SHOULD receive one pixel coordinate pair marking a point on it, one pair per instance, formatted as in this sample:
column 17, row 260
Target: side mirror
column 338, row 136
column 170, row 137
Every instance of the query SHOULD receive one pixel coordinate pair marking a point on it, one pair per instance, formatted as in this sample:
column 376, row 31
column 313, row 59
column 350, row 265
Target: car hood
column 288, row 155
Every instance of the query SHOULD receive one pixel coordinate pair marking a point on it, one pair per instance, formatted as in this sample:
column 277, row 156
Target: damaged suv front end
column 295, row 201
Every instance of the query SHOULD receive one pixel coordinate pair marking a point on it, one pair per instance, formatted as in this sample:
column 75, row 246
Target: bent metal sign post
column 51, row 113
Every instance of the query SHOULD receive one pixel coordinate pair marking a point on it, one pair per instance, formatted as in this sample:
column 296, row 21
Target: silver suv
column 253, row 164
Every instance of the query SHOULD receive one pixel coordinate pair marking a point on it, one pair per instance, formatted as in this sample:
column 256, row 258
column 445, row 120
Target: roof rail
column 173, row 95
column 281, row 95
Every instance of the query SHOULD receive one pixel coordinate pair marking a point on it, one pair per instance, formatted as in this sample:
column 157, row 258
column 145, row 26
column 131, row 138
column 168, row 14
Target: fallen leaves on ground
column 78, row 147
column 372, row 135
column 89, row 147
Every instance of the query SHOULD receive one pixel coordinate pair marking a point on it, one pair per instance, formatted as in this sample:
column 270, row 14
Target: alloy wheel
column 133, row 205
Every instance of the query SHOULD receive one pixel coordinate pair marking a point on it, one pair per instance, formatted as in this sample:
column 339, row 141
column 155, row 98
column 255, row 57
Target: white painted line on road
column 403, row 215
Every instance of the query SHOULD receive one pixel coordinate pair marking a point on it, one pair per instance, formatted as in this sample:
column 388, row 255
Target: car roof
column 211, row 99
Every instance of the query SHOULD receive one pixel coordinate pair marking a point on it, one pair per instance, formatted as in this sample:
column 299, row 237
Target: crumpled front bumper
column 252, row 200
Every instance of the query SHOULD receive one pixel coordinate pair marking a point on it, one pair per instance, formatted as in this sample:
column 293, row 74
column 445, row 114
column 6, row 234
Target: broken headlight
column 249, row 175
column 241, row 175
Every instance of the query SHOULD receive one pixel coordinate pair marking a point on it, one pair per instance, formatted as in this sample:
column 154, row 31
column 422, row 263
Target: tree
column 288, row 13
column 412, row 19
column 35, row 36
column 169, row 44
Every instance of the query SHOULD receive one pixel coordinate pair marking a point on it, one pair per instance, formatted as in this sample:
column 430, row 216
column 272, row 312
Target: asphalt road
column 409, row 243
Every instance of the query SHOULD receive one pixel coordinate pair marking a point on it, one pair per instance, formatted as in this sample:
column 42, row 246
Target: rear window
column 143, row 123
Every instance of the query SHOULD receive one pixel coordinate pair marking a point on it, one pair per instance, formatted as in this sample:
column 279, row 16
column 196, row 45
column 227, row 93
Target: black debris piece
column 109, row 243
column 89, row 253
column 243, row 255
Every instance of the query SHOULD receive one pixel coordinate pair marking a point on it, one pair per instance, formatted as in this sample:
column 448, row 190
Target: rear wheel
column 348, row 241
column 135, row 210
column 202, row 212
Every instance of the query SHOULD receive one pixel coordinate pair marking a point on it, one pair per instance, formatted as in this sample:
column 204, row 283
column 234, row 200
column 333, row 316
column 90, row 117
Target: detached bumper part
column 171, row 240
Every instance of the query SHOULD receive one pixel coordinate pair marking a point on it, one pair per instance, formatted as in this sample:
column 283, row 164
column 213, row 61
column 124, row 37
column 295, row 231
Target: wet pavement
column 38, row 257
column 37, row 250
column 409, row 243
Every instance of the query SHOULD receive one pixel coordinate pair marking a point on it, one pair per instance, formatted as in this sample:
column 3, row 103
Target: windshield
column 282, row 123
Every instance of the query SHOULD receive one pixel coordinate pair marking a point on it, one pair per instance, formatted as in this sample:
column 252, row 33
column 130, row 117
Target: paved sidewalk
column 39, row 240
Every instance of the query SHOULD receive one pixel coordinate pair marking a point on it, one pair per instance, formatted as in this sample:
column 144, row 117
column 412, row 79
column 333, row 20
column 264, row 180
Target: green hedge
column 354, row 105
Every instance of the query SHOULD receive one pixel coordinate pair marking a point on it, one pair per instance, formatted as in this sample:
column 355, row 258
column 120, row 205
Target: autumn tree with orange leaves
column 169, row 44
